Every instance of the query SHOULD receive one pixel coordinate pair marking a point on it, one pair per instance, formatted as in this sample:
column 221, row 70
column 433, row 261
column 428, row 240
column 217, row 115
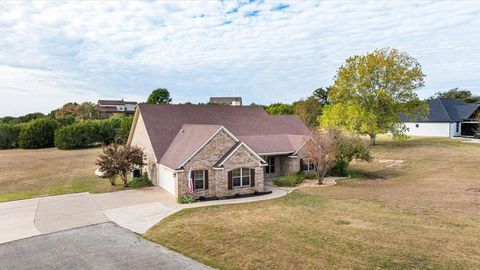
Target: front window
column 199, row 179
column 241, row 177
column 307, row 165
column 270, row 168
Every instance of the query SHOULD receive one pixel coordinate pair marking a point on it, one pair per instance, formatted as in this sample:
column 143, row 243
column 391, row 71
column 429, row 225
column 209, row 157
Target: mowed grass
column 42, row 172
column 422, row 213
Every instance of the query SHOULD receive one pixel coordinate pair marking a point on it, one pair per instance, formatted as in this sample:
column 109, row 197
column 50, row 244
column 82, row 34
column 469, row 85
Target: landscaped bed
column 422, row 214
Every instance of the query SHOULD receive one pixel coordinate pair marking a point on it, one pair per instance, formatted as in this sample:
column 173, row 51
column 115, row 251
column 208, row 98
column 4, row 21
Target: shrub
column 124, row 130
column 289, row 180
column 77, row 135
column 310, row 175
column 38, row 133
column 339, row 169
column 65, row 120
column 348, row 148
column 185, row 200
column 9, row 136
column 142, row 181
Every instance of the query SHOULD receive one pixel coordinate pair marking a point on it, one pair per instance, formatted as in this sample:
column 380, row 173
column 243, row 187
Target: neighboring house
column 447, row 117
column 229, row 149
column 109, row 107
column 232, row 101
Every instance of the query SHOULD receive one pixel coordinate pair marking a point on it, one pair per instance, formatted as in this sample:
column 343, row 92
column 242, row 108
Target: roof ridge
column 445, row 109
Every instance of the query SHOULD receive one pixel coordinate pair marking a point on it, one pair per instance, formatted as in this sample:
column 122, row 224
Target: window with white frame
column 199, row 179
column 270, row 168
column 307, row 165
column 241, row 177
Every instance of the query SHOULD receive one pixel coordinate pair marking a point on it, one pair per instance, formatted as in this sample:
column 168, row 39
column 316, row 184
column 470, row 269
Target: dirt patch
column 391, row 162
column 309, row 183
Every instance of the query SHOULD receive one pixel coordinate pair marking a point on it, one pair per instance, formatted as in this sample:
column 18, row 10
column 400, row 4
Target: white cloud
column 84, row 50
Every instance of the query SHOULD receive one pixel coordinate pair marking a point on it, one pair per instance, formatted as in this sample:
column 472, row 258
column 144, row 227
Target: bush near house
column 9, row 136
column 290, row 180
column 38, row 133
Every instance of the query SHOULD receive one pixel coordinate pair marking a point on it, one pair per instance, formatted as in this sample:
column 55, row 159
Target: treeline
column 308, row 109
column 62, row 130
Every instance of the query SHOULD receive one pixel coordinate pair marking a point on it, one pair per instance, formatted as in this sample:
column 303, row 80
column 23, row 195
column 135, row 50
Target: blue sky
column 265, row 51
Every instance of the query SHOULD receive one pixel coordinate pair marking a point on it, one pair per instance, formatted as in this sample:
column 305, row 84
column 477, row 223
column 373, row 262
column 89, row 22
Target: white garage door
column 166, row 179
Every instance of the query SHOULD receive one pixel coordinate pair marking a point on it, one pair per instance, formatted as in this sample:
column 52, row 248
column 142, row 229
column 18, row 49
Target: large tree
column 279, row 109
column 81, row 112
column 159, row 96
column 308, row 110
column 372, row 91
column 460, row 94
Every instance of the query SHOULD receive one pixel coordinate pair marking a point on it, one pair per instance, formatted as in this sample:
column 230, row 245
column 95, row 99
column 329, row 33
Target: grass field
column 32, row 173
column 418, row 208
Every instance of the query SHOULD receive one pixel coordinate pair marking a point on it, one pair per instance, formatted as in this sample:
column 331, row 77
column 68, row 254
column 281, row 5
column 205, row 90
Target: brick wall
column 217, row 179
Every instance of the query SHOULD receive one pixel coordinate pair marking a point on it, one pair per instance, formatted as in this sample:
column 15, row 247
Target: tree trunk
column 125, row 181
column 372, row 139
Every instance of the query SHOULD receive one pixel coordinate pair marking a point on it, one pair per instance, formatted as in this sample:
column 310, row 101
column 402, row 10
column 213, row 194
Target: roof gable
column 189, row 140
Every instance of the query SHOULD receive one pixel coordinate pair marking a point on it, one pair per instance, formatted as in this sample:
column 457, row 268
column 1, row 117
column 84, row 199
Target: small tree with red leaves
column 120, row 160
column 321, row 148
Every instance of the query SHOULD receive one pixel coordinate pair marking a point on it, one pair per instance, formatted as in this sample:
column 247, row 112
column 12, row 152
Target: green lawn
column 418, row 207
column 31, row 173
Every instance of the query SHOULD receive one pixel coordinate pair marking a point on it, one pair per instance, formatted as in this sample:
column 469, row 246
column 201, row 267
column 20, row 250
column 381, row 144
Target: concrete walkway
column 137, row 210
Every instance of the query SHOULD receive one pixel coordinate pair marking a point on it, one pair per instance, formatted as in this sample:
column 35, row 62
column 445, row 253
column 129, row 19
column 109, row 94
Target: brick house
column 227, row 150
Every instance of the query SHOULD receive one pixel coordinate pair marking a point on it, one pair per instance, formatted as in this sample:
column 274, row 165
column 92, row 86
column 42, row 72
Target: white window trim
column 241, row 178
column 195, row 180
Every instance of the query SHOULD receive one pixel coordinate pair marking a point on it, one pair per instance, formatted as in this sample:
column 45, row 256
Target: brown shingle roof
column 163, row 122
column 106, row 102
column 189, row 138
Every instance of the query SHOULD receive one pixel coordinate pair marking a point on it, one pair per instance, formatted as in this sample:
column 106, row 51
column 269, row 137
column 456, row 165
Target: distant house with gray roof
column 447, row 117
column 232, row 101
column 226, row 150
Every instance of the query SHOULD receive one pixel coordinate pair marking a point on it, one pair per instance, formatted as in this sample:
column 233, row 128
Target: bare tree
column 120, row 160
column 321, row 149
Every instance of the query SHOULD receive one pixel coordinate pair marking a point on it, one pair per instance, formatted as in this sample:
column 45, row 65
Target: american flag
column 190, row 182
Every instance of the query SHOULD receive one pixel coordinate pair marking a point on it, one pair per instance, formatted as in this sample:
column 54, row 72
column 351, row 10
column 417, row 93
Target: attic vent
column 182, row 131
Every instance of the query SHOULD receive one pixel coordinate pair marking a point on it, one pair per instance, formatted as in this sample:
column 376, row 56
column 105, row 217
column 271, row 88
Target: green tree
column 86, row 111
column 321, row 94
column 460, row 94
column 38, row 133
column 308, row 110
column 348, row 148
column 9, row 135
column 371, row 92
column 159, row 96
column 120, row 160
column 279, row 109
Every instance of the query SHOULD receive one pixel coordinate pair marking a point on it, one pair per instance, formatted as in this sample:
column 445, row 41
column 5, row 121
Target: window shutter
column 206, row 179
column 301, row 164
column 230, row 184
column 252, row 177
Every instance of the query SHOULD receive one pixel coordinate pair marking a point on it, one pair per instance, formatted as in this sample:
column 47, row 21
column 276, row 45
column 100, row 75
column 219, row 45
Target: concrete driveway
column 102, row 246
column 136, row 210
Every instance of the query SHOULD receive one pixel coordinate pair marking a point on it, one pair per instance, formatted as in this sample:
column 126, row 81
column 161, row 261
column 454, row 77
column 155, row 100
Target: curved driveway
column 136, row 210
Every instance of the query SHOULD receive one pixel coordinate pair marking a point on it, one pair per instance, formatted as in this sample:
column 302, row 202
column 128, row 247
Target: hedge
column 87, row 133
column 38, row 133
column 9, row 136
column 77, row 135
